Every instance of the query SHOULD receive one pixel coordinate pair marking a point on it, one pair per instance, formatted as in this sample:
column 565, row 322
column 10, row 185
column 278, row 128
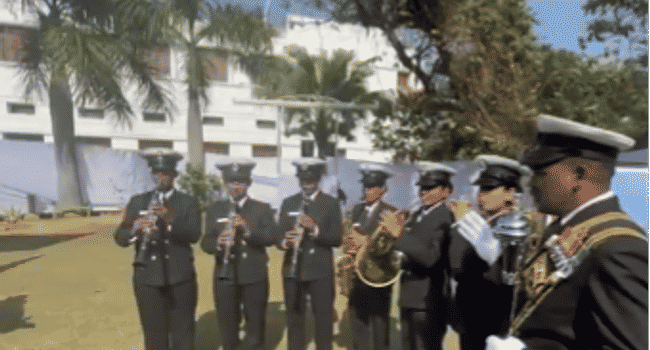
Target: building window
column 22, row 137
column 20, row 108
column 157, row 59
column 144, row 144
column 307, row 148
column 265, row 151
column 153, row 117
column 91, row 113
column 12, row 40
column 215, row 64
column 265, row 124
column 217, row 121
column 96, row 141
column 216, row 148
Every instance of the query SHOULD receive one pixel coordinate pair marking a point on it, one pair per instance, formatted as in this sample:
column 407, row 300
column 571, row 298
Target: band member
column 311, row 222
column 238, row 231
column 474, row 252
column 424, row 285
column 586, row 280
column 369, row 306
column 164, row 279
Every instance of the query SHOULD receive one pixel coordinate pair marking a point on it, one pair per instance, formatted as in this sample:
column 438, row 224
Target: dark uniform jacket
column 316, row 258
column 251, row 257
column 480, row 290
column 362, row 295
column 425, row 283
column 603, row 304
column 169, row 259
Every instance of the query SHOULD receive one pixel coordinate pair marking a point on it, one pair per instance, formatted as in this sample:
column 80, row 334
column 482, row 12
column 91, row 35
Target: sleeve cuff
column 315, row 232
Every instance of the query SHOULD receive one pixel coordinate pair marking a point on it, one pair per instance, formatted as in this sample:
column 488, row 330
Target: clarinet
column 227, row 272
column 140, row 257
column 293, row 268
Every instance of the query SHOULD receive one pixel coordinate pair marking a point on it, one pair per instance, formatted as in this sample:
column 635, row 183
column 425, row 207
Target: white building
column 230, row 129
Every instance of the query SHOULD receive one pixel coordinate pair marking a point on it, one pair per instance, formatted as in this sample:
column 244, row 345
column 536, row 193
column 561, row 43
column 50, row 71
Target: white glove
column 479, row 234
column 497, row 343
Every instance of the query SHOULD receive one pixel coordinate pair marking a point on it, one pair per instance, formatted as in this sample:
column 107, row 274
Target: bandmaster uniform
column 424, row 287
column 242, row 280
column 314, row 273
column 165, row 280
column 586, row 281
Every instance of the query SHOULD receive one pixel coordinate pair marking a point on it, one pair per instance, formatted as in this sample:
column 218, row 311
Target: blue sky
column 561, row 23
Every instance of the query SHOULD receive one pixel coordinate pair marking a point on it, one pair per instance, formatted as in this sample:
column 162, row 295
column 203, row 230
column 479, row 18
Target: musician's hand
column 459, row 208
column 226, row 238
column 163, row 212
column 354, row 241
column 394, row 222
column 143, row 225
column 307, row 222
column 237, row 220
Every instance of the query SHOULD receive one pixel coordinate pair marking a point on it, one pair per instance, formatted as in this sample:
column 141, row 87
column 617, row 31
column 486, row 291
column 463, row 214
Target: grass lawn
column 65, row 284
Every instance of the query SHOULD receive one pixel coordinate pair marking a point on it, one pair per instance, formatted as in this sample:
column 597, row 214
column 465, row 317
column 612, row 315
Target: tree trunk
column 194, row 129
column 65, row 146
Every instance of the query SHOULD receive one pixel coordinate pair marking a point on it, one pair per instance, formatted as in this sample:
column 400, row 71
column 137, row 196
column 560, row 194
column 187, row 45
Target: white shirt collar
column 586, row 204
column 426, row 212
column 312, row 197
column 371, row 209
column 166, row 194
column 241, row 202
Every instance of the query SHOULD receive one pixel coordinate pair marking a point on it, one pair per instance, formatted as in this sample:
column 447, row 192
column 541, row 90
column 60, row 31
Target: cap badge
column 235, row 167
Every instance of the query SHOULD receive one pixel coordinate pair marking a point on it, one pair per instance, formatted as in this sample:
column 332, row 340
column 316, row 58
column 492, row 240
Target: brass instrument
column 227, row 270
column 156, row 199
column 375, row 263
column 345, row 264
column 300, row 232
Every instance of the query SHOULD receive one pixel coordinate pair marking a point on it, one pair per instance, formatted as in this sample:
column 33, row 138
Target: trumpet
column 156, row 199
column 227, row 271
column 300, row 232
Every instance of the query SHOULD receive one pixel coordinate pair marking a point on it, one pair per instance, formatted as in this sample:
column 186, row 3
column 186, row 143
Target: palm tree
column 319, row 78
column 194, row 24
column 79, row 54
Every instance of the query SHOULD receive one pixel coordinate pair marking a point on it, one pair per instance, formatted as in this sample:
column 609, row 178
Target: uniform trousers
column 321, row 292
column 370, row 316
column 167, row 315
column 228, row 299
column 422, row 329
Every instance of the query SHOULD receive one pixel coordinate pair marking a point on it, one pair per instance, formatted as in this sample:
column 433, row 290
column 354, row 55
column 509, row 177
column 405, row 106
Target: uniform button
column 166, row 256
column 153, row 242
column 153, row 258
column 243, row 243
column 311, row 251
column 244, row 255
column 166, row 241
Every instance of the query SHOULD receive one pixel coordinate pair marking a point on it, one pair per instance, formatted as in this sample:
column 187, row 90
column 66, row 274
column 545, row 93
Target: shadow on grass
column 17, row 263
column 209, row 338
column 12, row 314
column 20, row 242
